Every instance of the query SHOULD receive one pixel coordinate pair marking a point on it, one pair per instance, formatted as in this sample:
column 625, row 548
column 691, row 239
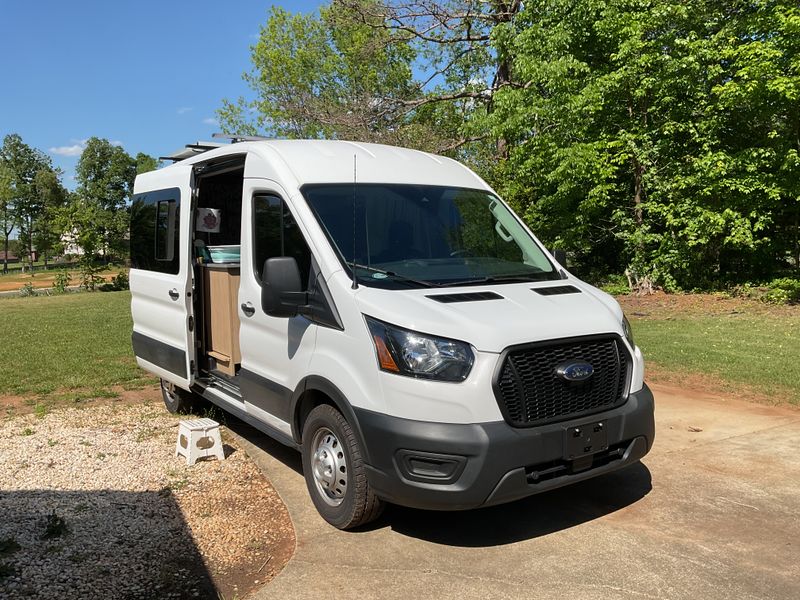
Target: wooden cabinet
column 221, row 294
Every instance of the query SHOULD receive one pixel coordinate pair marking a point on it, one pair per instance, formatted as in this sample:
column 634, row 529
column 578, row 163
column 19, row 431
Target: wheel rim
column 329, row 466
column 169, row 392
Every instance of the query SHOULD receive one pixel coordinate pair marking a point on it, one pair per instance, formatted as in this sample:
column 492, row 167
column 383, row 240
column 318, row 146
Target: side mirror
column 560, row 256
column 281, row 290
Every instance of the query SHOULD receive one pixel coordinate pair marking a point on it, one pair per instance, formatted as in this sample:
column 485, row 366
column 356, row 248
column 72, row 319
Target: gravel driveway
column 95, row 505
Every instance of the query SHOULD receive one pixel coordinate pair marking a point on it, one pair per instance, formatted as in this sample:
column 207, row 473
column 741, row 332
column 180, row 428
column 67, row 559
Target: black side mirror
column 281, row 290
column 560, row 256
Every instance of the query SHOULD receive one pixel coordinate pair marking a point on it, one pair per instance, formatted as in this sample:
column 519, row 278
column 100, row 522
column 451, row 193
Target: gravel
column 94, row 504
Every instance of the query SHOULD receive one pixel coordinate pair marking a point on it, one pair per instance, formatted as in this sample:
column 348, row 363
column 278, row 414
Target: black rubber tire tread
column 186, row 403
column 360, row 505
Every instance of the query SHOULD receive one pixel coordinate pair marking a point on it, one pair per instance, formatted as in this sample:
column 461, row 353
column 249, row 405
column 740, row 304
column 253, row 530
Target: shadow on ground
column 505, row 524
column 525, row 519
column 98, row 544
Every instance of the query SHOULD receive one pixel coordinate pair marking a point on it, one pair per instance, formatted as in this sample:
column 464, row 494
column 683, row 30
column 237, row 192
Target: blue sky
column 146, row 74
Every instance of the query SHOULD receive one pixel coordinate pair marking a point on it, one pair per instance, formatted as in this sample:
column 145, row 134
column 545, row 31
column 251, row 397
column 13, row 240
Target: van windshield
column 401, row 236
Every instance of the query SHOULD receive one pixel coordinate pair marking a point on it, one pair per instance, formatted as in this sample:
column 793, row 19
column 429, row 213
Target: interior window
column 276, row 233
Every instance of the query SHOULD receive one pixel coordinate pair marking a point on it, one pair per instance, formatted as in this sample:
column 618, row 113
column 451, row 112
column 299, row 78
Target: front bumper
column 444, row 466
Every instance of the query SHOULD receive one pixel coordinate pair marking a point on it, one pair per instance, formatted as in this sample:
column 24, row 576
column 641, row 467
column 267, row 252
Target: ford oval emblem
column 575, row 371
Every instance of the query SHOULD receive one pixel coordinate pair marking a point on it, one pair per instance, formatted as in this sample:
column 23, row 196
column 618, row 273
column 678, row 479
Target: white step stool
column 197, row 439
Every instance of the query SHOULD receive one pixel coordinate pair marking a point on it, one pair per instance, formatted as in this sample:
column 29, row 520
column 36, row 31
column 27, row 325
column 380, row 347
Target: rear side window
column 276, row 233
column 155, row 231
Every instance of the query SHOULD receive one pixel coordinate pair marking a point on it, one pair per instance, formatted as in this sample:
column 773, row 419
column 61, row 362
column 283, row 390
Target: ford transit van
column 384, row 312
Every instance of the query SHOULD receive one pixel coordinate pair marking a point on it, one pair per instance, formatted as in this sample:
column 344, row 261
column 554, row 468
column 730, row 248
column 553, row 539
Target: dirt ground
column 228, row 528
column 663, row 306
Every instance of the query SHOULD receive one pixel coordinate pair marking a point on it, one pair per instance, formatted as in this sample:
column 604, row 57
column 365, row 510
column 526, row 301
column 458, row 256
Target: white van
column 383, row 311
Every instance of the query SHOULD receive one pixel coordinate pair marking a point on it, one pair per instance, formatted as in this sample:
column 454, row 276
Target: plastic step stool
column 197, row 439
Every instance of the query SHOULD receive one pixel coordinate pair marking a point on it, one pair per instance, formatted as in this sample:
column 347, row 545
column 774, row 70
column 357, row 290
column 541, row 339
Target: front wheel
column 334, row 471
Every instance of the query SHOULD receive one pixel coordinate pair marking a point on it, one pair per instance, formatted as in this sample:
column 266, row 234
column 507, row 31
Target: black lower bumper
column 454, row 467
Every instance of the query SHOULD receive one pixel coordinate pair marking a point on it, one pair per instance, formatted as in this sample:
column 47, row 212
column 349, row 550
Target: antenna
column 353, row 268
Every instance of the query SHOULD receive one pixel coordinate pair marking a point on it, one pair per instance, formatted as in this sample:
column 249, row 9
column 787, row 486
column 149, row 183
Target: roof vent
column 466, row 297
column 556, row 290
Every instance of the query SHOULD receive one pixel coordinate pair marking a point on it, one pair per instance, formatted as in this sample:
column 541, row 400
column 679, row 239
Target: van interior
column 216, row 242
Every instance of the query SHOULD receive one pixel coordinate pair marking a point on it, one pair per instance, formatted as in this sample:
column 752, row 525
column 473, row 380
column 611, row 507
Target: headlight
column 415, row 354
column 626, row 328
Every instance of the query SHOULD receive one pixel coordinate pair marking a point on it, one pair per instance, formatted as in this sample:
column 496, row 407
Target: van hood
column 520, row 315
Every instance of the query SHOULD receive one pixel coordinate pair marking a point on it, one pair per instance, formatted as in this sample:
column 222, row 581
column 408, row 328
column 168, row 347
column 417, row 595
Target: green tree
column 105, row 175
column 657, row 136
column 145, row 163
column 52, row 197
column 24, row 163
column 327, row 75
column 6, row 209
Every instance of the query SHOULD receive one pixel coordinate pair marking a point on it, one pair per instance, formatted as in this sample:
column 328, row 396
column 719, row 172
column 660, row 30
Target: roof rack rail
column 234, row 138
column 199, row 147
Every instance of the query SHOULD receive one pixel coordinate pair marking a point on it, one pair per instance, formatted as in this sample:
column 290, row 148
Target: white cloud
column 74, row 150
column 211, row 121
column 184, row 109
column 77, row 147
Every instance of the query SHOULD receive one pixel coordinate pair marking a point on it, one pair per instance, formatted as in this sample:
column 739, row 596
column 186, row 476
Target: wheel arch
column 314, row 390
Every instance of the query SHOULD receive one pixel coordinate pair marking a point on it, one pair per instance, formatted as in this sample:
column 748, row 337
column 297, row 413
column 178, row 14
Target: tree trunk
column 5, row 254
column 30, row 243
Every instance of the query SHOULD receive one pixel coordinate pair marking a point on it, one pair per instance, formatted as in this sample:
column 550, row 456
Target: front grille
column 531, row 393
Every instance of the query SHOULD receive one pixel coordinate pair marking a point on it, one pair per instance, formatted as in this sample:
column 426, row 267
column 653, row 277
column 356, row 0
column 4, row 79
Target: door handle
column 248, row 309
column 173, row 293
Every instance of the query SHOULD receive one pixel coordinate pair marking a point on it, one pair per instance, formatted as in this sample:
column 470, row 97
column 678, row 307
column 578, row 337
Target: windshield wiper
column 392, row 274
column 515, row 277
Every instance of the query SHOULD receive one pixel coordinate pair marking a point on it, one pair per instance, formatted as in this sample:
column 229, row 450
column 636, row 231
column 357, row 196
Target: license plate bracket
column 583, row 440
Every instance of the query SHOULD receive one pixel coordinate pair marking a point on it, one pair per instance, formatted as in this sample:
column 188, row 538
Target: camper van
column 383, row 311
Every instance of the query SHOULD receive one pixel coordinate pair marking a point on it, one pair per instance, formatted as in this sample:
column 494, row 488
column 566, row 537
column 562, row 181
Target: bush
column 26, row 290
column 117, row 284
column 778, row 291
column 120, row 281
column 61, row 282
column 616, row 285
column 783, row 291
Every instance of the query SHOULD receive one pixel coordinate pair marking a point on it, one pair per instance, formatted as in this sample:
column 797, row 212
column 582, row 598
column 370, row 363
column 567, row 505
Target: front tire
column 334, row 471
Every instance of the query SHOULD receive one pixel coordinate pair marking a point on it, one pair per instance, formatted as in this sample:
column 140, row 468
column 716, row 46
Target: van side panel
column 160, row 277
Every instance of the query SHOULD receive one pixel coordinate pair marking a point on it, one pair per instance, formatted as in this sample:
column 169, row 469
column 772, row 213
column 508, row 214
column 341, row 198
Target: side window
column 275, row 233
column 155, row 231
column 165, row 230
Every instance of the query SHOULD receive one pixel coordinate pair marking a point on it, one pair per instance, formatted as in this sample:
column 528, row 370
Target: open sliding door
column 161, row 274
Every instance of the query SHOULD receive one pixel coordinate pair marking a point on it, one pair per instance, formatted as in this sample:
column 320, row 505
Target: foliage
column 26, row 291
column 145, row 163
column 328, row 75
column 6, row 209
column 105, row 175
column 118, row 283
column 653, row 137
column 62, row 281
column 643, row 137
column 52, row 197
column 784, row 290
column 27, row 167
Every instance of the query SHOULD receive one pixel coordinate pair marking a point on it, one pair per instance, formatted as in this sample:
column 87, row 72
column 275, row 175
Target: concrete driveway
column 710, row 514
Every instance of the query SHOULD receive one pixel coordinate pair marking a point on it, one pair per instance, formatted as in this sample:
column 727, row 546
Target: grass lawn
column 67, row 347
column 739, row 343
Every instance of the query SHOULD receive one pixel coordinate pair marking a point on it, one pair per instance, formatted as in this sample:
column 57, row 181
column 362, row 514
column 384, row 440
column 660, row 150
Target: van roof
column 331, row 161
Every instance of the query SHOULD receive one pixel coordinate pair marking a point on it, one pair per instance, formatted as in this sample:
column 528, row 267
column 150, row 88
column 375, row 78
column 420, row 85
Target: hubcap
column 169, row 392
column 328, row 466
